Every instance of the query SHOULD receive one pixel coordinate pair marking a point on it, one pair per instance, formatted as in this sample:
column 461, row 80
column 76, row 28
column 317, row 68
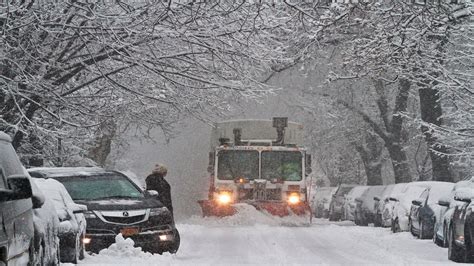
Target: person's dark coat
column 157, row 182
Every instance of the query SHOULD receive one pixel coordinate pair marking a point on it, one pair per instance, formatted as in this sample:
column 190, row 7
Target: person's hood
column 121, row 204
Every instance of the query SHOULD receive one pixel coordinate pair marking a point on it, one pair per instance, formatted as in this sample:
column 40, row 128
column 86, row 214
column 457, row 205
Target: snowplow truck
column 258, row 162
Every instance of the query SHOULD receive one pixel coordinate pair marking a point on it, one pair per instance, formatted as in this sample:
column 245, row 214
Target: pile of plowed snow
column 123, row 251
column 248, row 215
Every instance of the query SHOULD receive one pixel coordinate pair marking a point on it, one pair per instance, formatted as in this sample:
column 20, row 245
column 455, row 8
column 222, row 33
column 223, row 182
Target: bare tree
column 68, row 66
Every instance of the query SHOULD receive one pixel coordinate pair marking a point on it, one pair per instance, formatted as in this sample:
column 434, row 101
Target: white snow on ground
column 254, row 238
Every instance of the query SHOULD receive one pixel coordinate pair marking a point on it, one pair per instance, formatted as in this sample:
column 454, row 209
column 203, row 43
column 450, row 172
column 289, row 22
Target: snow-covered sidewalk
column 220, row 242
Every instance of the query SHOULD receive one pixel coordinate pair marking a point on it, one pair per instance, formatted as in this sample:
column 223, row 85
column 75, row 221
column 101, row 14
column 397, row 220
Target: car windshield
column 234, row 164
column 103, row 186
column 343, row 191
column 282, row 164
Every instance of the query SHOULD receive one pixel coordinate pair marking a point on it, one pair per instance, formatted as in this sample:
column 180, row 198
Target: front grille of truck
column 268, row 194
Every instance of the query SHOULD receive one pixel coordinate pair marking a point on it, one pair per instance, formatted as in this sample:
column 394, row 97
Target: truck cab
column 265, row 165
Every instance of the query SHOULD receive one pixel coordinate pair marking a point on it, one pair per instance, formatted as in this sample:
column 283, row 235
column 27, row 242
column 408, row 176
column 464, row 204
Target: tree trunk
column 401, row 169
column 103, row 142
column 371, row 155
column 431, row 113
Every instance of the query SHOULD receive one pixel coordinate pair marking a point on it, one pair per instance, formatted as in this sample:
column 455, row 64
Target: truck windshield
column 234, row 164
column 282, row 164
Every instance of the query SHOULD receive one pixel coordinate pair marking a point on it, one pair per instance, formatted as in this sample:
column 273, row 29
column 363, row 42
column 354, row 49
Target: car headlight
column 158, row 211
column 89, row 215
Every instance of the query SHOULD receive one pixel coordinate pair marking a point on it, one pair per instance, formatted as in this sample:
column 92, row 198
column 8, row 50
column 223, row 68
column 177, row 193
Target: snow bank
column 124, row 252
column 247, row 215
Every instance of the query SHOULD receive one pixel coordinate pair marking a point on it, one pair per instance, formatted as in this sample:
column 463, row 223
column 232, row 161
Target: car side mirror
column 151, row 193
column 463, row 199
column 464, row 195
column 308, row 162
column 19, row 187
column 79, row 208
column 416, row 202
column 443, row 203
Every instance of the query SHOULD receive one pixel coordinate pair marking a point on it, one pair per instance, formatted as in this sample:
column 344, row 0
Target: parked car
column 116, row 205
column 336, row 207
column 364, row 212
column 350, row 202
column 46, row 224
column 401, row 205
column 424, row 210
column 379, row 202
column 72, row 223
column 320, row 201
column 387, row 204
column 16, row 208
column 446, row 212
column 461, row 228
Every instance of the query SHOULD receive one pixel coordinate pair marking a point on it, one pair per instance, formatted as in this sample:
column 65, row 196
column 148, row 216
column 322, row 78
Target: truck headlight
column 294, row 198
column 224, row 197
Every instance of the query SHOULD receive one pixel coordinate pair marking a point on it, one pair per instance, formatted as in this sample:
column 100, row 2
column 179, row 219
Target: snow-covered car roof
column 323, row 192
column 356, row 192
column 369, row 194
column 410, row 194
column 439, row 190
column 67, row 171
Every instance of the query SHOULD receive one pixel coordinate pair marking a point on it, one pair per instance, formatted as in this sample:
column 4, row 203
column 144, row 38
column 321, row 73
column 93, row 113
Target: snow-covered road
column 213, row 242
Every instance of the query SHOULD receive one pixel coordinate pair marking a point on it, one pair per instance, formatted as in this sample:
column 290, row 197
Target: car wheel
column 77, row 249
column 376, row 221
column 82, row 250
column 363, row 222
column 436, row 239
column 422, row 233
column 396, row 226
column 410, row 227
column 469, row 246
column 445, row 235
column 455, row 253
column 39, row 256
column 177, row 241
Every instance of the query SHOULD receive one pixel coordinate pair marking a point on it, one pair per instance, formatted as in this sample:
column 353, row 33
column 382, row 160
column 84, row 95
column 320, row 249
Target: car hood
column 120, row 204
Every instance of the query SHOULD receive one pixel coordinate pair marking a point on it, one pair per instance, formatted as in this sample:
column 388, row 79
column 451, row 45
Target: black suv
column 116, row 205
column 16, row 214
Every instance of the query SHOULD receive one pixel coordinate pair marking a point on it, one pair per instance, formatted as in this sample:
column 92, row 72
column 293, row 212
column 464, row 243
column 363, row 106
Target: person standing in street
column 156, row 181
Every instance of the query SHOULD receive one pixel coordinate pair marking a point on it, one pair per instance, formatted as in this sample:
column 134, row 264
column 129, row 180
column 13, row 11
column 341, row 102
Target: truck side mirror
column 308, row 162
column 210, row 166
